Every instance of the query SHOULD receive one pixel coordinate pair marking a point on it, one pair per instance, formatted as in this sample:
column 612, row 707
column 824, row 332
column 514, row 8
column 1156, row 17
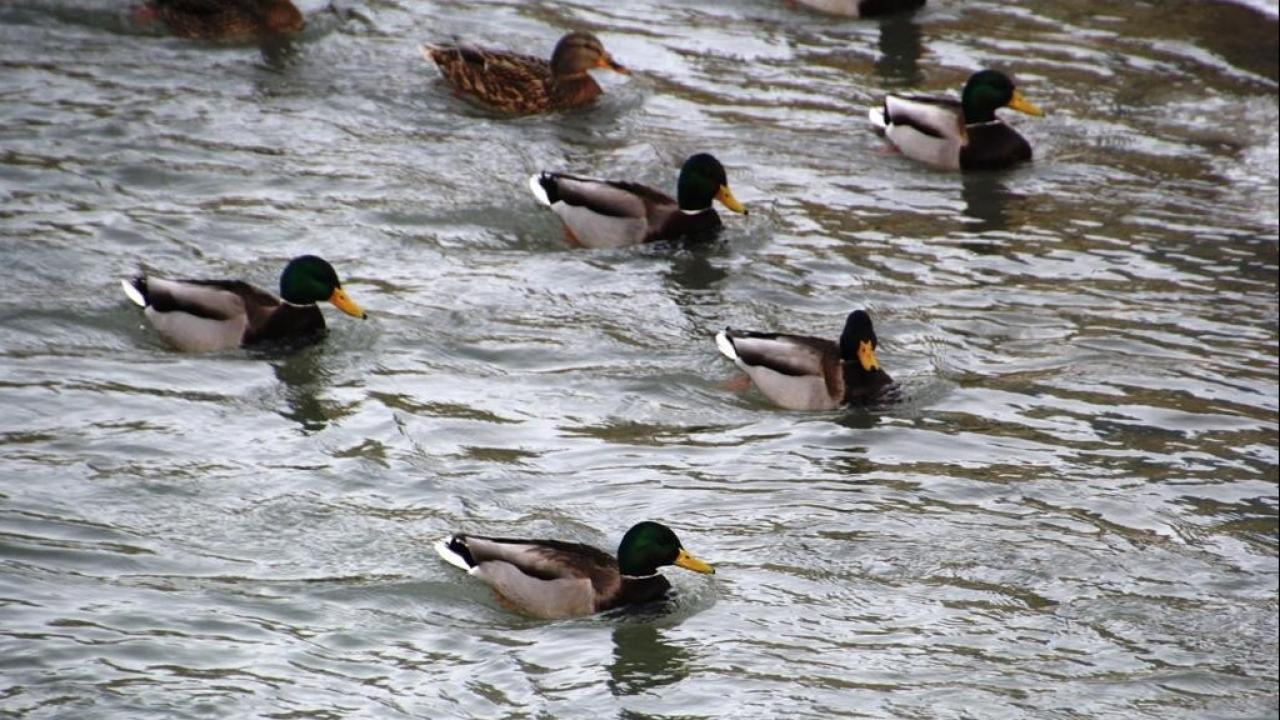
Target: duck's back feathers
column 958, row 135
column 610, row 214
column 207, row 315
column 927, row 129
column 799, row 372
column 543, row 578
column 508, row 81
column 542, row 559
column 228, row 20
column 934, row 116
column 794, row 371
column 511, row 82
column 211, row 299
column 603, row 197
column 194, row 315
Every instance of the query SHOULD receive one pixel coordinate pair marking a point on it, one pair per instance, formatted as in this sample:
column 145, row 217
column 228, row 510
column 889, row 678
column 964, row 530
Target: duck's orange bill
column 867, row 356
column 344, row 303
column 726, row 198
column 1021, row 104
column 689, row 562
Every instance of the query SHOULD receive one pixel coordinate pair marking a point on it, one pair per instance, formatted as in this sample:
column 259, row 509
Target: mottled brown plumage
column 523, row 84
column 225, row 20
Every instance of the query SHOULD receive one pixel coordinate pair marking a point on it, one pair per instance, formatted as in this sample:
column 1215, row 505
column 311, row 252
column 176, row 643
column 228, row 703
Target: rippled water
column 1073, row 514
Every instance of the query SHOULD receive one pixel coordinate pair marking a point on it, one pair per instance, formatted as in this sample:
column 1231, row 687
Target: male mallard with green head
column 610, row 213
column 523, row 84
column 204, row 315
column 554, row 579
column 964, row 135
column 798, row 372
column 223, row 20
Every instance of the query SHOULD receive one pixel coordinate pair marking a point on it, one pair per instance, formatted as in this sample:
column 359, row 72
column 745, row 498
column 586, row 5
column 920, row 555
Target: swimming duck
column 225, row 20
column 204, row 315
column 963, row 135
column 859, row 8
column 798, row 372
column 553, row 579
column 609, row 214
column 523, row 84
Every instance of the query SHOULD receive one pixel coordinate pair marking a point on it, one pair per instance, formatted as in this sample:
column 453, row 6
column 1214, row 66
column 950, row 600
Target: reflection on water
column 304, row 379
column 900, row 48
column 693, row 281
column 986, row 200
column 644, row 660
column 278, row 52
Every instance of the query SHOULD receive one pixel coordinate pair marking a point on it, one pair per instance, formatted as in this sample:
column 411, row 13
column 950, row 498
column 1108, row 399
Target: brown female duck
column 224, row 20
column 522, row 84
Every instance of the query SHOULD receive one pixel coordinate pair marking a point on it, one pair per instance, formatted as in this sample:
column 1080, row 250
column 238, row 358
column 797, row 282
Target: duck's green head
column 702, row 180
column 650, row 545
column 858, row 341
column 578, row 52
column 989, row 90
column 308, row 279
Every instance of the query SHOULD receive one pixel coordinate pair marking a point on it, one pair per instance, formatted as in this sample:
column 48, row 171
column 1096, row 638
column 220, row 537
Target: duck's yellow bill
column 689, row 562
column 1021, row 104
column 867, row 356
column 608, row 63
column 343, row 302
column 726, row 198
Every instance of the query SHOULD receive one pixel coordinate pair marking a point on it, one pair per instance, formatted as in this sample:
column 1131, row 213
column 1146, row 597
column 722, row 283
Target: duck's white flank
column 875, row 114
column 538, row 191
column 449, row 556
column 133, row 294
column 726, row 346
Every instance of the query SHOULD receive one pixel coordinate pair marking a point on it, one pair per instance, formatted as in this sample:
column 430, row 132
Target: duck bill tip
column 343, row 302
column 867, row 356
column 689, row 562
column 726, row 198
column 1023, row 105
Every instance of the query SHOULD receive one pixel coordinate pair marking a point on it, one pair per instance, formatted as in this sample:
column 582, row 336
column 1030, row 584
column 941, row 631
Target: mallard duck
column 523, row 84
column 798, row 372
column 610, row 214
column 204, row 315
column 224, row 20
column 554, row 579
column 963, row 135
column 859, row 8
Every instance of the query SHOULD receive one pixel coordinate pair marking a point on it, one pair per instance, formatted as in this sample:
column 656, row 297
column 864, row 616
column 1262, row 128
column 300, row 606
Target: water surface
column 1073, row 514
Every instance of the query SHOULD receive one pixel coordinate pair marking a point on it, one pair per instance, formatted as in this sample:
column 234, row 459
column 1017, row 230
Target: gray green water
column 1073, row 514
